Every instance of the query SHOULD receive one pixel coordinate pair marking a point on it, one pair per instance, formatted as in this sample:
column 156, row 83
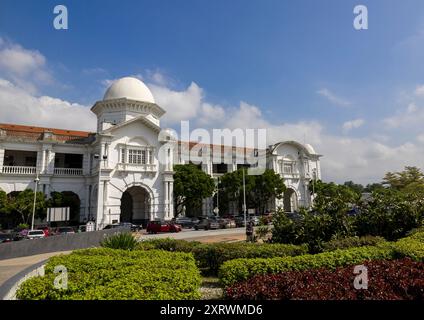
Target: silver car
column 35, row 234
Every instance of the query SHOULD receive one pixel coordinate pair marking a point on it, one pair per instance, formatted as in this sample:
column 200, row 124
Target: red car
column 47, row 231
column 162, row 226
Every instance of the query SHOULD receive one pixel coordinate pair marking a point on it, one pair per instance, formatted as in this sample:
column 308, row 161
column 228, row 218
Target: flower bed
column 387, row 280
column 241, row 269
column 113, row 274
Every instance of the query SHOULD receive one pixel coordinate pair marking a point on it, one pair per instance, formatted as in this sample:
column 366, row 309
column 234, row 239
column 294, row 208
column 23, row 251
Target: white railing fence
column 18, row 170
column 68, row 171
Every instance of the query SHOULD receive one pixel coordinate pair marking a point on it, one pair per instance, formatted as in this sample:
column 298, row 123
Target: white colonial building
column 124, row 171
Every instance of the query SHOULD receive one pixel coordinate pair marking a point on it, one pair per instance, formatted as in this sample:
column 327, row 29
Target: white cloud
column 20, row 107
column 410, row 117
column 180, row 105
column 364, row 160
column 334, row 99
column 352, row 124
column 419, row 91
column 420, row 138
column 26, row 68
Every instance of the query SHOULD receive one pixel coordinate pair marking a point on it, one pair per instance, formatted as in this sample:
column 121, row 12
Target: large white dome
column 130, row 88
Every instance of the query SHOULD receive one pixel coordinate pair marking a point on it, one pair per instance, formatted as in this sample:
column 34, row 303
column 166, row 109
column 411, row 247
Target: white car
column 35, row 234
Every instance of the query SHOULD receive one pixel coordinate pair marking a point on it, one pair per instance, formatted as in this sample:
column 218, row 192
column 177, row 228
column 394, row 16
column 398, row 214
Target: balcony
column 291, row 175
column 19, row 170
column 68, row 171
column 131, row 167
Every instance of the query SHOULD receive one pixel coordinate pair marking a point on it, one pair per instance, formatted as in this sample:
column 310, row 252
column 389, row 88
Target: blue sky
column 300, row 64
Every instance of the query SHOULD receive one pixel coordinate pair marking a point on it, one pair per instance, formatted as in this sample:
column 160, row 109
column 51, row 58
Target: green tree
column 65, row 199
column 373, row 187
column 259, row 188
column 390, row 213
column 266, row 186
column 191, row 185
column 404, row 179
column 332, row 198
column 21, row 203
column 3, row 202
column 358, row 188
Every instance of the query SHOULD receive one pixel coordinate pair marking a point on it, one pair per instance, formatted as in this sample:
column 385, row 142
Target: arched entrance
column 290, row 200
column 135, row 205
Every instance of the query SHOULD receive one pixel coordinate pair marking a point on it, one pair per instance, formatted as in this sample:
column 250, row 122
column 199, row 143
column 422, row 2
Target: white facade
column 116, row 171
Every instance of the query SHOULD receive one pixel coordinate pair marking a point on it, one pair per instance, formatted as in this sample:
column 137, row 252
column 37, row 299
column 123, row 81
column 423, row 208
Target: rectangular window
column 134, row 156
column 288, row 168
column 123, row 155
column 143, row 156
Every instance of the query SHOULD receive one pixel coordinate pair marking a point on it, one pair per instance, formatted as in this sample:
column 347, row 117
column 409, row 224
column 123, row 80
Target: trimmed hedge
column 351, row 242
column 241, row 269
column 210, row 257
column 113, row 274
column 388, row 280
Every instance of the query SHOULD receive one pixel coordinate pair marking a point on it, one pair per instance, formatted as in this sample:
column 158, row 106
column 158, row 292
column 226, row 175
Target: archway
column 290, row 200
column 135, row 206
column 66, row 199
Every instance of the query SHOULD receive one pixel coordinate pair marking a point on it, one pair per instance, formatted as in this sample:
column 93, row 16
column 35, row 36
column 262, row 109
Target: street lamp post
column 36, row 180
column 244, row 201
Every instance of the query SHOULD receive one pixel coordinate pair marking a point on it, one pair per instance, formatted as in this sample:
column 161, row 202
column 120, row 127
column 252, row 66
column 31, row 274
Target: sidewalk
column 11, row 267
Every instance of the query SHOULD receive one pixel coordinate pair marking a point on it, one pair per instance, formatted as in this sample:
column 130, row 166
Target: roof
column 130, row 88
column 33, row 133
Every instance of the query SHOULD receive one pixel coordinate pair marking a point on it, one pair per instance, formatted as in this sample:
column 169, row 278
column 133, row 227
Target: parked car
column 5, row 237
column 255, row 220
column 112, row 226
column 132, row 226
column 239, row 221
column 225, row 223
column 207, row 224
column 47, row 231
column 65, row 230
column 162, row 226
column 35, row 234
column 185, row 222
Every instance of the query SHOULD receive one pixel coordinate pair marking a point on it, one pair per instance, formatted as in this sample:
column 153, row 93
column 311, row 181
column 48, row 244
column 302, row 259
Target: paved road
column 191, row 234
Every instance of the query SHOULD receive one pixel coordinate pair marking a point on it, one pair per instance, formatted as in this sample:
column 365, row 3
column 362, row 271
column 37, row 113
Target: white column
column 102, row 153
column 171, row 199
column 99, row 210
column 50, row 161
column 1, row 157
column 165, row 198
column 86, row 163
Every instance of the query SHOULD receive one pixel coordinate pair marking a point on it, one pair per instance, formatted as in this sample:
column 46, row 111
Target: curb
column 8, row 289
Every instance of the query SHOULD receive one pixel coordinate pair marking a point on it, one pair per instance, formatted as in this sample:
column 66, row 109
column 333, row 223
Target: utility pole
column 244, row 200
column 36, row 180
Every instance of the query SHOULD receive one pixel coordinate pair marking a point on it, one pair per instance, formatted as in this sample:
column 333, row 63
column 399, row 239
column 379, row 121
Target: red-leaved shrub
column 387, row 280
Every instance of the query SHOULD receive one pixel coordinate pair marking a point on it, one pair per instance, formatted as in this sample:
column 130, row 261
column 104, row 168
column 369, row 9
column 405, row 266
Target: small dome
column 310, row 149
column 130, row 88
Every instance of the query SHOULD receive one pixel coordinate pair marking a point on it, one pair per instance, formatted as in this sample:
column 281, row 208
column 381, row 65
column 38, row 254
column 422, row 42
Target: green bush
column 111, row 274
column 210, row 257
column 121, row 240
column 241, row 269
column 169, row 244
column 351, row 242
column 411, row 246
